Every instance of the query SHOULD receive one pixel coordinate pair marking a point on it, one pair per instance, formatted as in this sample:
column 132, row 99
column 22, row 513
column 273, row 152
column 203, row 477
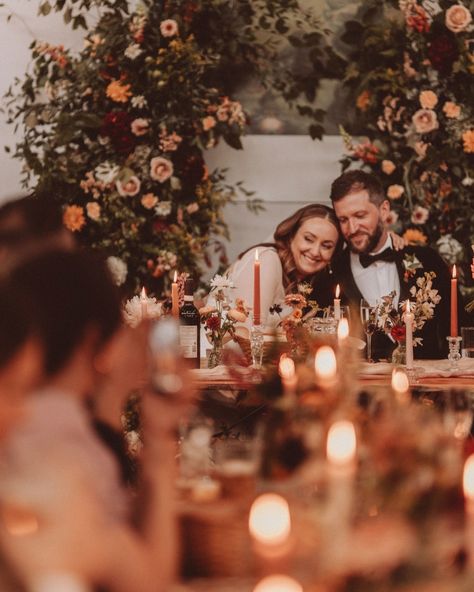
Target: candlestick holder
column 256, row 345
column 454, row 356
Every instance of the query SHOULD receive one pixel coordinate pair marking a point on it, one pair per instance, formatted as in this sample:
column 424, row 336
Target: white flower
column 467, row 181
column 221, row 282
column 139, row 102
column 133, row 51
column 118, row 269
column 432, row 7
column 106, row 172
column 163, row 208
column 449, row 248
column 132, row 312
column 420, row 215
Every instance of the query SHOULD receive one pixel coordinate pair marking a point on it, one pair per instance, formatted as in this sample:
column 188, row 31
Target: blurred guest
column 54, row 462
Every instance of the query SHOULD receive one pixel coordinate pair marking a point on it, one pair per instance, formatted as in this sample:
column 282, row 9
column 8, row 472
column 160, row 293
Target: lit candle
column 256, row 290
column 409, row 319
column 175, row 296
column 337, row 304
column 325, row 366
column 454, row 304
column 270, row 521
column 341, row 445
column 143, row 302
column 278, row 583
column 286, row 369
column 342, row 332
column 400, row 385
column 468, row 488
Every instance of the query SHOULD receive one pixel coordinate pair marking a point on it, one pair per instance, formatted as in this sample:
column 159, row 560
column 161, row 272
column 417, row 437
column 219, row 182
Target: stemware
column 368, row 317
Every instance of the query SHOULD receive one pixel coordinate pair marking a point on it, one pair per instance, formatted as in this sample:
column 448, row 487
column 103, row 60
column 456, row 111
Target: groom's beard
column 373, row 240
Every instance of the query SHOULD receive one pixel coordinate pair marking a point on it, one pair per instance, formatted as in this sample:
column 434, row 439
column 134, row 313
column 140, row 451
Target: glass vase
column 399, row 354
column 215, row 355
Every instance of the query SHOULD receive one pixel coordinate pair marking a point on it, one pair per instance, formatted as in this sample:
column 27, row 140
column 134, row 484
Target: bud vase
column 399, row 354
column 215, row 355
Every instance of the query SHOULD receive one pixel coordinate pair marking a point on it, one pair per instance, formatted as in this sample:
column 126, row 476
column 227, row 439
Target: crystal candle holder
column 454, row 356
column 256, row 345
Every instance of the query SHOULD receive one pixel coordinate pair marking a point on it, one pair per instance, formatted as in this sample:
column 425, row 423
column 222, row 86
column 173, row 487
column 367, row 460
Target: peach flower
column 458, row 18
column 428, row 99
column 363, row 100
column 161, row 169
column 421, row 148
column 468, row 139
column 149, row 201
column 118, row 92
column 388, row 167
column 413, row 236
column 93, row 210
column 395, row 191
column 208, row 123
column 129, row 188
column 169, row 28
column 425, row 121
column 451, row 110
column 73, row 218
column 140, row 126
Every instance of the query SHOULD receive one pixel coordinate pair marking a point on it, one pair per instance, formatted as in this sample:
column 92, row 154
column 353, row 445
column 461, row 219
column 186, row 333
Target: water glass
column 368, row 316
column 467, row 347
column 236, row 465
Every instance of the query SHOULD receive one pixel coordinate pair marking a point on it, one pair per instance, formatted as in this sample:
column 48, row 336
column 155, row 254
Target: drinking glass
column 467, row 348
column 368, row 316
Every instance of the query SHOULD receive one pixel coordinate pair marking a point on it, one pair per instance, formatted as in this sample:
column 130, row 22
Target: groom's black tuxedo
column 436, row 330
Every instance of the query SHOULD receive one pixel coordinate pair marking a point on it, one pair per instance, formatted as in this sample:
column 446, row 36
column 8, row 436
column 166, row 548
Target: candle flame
column 342, row 330
column 143, row 293
column 338, row 291
column 269, row 519
column 468, row 479
column 341, row 443
column 325, row 364
column 256, row 254
column 400, row 382
column 454, row 272
column 175, row 277
column 278, row 583
column 286, row 367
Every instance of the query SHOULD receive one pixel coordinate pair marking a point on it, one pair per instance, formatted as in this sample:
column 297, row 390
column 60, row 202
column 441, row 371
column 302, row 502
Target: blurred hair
column 72, row 292
column 16, row 324
column 287, row 229
column 354, row 181
column 30, row 216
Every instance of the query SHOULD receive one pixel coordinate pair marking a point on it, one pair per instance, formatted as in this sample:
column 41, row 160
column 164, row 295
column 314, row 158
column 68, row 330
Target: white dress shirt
column 378, row 279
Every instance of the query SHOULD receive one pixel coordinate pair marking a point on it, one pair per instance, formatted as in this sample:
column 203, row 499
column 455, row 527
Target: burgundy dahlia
column 116, row 126
column 443, row 52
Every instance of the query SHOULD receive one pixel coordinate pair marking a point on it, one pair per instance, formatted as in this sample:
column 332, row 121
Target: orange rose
column 395, row 191
column 468, row 139
column 428, row 99
column 73, row 218
column 118, row 92
column 149, row 200
column 451, row 110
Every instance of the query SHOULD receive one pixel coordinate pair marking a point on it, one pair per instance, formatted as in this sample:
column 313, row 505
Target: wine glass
column 368, row 316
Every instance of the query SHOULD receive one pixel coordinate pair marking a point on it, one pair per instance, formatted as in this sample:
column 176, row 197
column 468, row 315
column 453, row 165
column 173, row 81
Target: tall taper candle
column 409, row 318
column 454, row 304
column 175, row 297
column 256, row 290
column 337, row 304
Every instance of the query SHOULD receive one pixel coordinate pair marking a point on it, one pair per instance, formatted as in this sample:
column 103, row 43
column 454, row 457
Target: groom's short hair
column 354, row 181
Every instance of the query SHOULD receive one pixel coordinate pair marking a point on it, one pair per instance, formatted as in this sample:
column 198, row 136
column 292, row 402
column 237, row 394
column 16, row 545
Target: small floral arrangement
column 425, row 299
column 219, row 319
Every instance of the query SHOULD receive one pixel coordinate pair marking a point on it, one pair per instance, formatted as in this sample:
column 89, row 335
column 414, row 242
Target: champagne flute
column 368, row 316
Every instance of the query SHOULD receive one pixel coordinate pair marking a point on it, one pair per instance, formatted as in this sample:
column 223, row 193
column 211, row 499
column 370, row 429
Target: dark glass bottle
column 189, row 327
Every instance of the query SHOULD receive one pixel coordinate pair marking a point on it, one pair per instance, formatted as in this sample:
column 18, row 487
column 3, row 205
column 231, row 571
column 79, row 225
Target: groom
column 370, row 268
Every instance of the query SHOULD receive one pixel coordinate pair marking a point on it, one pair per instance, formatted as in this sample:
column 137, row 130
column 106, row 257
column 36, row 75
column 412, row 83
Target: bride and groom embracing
column 350, row 245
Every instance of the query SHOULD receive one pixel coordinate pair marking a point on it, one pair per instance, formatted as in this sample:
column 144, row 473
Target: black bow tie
column 387, row 254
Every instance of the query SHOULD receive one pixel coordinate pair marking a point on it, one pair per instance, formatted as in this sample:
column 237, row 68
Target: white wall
column 284, row 171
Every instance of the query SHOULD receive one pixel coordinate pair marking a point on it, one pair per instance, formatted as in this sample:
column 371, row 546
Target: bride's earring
column 329, row 269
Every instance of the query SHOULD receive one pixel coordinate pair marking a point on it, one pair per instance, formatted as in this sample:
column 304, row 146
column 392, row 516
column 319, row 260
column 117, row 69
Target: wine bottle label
column 188, row 336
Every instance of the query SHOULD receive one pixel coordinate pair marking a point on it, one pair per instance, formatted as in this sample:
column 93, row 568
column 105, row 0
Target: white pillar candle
column 409, row 319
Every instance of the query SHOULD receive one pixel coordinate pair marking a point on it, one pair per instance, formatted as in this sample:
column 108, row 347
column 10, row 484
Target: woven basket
column 216, row 541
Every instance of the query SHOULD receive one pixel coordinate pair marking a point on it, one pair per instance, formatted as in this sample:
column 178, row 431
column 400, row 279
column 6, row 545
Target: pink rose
column 457, row 18
column 161, row 169
column 425, row 121
column 129, row 188
column 140, row 126
column 169, row 28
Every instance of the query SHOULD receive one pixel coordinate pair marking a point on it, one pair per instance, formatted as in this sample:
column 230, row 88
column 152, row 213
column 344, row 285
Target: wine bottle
column 189, row 329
